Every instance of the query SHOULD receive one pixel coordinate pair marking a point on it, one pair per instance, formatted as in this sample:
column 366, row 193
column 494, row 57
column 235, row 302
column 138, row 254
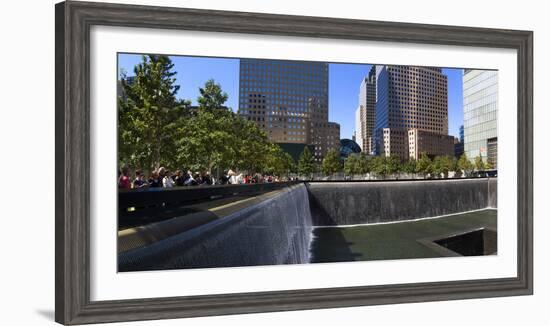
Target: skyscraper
column 480, row 100
column 358, row 133
column 289, row 100
column 364, row 116
column 459, row 143
column 430, row 143
column 411, row 98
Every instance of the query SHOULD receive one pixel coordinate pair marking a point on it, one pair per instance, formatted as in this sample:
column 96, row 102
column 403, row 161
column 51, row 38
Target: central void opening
column 474, row 243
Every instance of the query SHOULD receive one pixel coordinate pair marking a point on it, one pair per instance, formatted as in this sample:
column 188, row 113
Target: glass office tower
column 289, row 100
column 480, row 100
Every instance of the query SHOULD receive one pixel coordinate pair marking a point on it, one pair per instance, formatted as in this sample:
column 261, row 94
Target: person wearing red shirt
column 124, row 179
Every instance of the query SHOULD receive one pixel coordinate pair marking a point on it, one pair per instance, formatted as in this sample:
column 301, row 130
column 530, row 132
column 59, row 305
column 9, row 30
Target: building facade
column 393, row 142
column 459, row 148
column 480, row 100
column 329, row 136
column 289, row 100
column 365, row 114
column 359, row 134
column 410, row 98
column 429, row 143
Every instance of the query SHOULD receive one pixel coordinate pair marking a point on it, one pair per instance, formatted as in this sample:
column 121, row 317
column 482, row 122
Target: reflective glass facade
column 348, row 146
column 289, row 100
column 480, row 100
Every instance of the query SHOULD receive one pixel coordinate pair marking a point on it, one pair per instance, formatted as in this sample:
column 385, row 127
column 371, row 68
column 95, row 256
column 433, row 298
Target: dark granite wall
column 493, row 193
column 278, row 230
column 275, row 231
column 372, row 202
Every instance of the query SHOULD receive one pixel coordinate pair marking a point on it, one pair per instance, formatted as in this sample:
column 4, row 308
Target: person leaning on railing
column 163, row 178
column 124, row 178
column 139, row 181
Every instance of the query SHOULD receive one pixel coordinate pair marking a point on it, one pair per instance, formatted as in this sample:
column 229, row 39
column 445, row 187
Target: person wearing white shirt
column 167, row 182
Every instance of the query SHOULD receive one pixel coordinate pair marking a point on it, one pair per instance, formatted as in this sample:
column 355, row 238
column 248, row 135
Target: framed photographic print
column 215, row 162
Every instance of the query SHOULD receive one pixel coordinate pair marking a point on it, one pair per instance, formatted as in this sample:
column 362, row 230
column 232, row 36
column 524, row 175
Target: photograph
column 283, row 159
column 235, row 162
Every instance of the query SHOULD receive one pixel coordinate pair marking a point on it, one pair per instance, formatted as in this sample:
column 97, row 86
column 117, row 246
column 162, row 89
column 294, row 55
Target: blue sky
column 344, row 81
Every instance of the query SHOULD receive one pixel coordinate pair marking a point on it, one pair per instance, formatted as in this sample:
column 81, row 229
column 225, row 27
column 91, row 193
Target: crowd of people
column 164, row 178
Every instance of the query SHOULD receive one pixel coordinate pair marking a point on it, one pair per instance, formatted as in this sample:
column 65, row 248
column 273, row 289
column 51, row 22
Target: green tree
column 331, row 162
column 464, row 164
column 424, row 165
column 392, row 164
column 214, row 136
column 148, row 113
column 288, row 163
column 356, row 164
column 454, row 164
column 377, row 165
column 442, row 165
column 479, row 164
column 306, row 163
column 205, row 138
column 211, row 96
column 409, row 166
column 351, row 164
column 363, row 164
column 279, row 163
column 205, row 141
column 252, row 145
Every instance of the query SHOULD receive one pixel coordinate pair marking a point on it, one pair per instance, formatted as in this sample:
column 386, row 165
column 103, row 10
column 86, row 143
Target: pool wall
column 277, row 230
column 347, row 203
column 274, row 231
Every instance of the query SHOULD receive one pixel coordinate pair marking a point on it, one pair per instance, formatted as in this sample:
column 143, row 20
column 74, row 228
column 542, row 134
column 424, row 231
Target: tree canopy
column 409, row 166
column 479, row 164
column 158, row 129
column 356, row 164
column 424, row 164
column 331, row 162
column 442, row 165
column 148, row 114
column 464, row 164
column 306, row 163
column 212, row 97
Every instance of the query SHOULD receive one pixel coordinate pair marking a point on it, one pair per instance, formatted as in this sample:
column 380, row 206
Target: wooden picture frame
column 72, row 198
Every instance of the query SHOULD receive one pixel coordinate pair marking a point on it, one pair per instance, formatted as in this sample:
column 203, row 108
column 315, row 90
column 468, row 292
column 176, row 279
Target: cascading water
column 274, row 231
column 278, row 230
column 348, row 203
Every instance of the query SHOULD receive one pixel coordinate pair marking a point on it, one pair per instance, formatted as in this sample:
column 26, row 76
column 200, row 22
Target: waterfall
column 278, row 229
column 274, row 231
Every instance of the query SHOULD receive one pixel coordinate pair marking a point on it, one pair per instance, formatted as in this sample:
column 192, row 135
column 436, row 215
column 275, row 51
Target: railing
column 142, row 206
column 368, row 177
column 394, row 179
